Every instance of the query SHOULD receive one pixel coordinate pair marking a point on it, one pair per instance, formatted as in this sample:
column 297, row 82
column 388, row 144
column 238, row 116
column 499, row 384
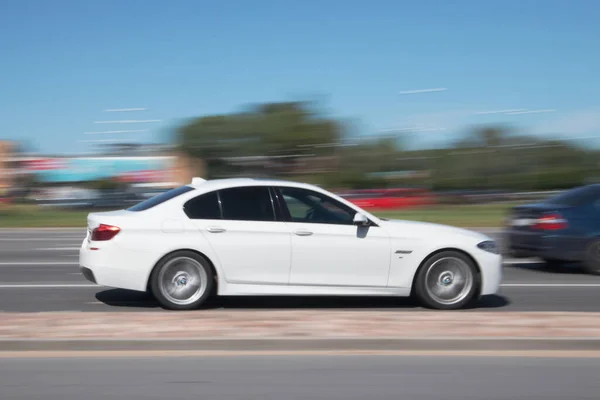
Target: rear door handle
column 216, row 229
column 303, row 232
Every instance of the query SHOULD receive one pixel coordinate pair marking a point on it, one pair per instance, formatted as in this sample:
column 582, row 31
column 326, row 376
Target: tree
column 278, row 139
column 289, row 131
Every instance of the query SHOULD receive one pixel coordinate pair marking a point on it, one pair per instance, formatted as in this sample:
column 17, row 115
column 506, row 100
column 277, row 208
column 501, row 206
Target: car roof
column 201, row 186
column 216, row 184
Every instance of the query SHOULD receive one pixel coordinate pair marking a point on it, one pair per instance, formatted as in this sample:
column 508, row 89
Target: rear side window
column 247, row 204
column 576, row 197
column 205, row 206
column 161, row 198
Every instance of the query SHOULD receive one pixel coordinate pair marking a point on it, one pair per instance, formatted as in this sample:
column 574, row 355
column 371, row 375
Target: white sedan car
column 268, row 237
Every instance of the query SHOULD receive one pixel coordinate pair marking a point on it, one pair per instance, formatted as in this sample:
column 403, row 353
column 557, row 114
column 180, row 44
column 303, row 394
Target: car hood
column 424, row 230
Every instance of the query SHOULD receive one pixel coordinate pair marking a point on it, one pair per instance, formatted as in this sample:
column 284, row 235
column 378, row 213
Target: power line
column 124, row 131
column 423, row 91
column 124, row 109
column 532, row 111
column 129, row 121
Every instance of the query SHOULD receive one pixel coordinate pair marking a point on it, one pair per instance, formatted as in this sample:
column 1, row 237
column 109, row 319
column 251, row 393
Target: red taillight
column 551, row 222
column 104, row 232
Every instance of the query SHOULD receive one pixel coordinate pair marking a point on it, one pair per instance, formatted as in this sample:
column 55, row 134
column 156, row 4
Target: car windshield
column 576, row 197
column 161, row 198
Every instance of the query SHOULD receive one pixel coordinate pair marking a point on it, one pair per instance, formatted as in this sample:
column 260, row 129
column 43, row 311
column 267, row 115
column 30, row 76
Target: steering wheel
column 310, row 214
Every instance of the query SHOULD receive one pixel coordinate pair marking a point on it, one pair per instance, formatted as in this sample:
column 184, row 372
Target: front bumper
column 491, row 272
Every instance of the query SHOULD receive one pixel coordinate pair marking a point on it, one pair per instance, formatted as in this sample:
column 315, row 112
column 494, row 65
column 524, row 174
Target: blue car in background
column 562, row 229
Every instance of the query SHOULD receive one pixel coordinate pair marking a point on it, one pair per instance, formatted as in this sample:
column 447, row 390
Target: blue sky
column 63, row 62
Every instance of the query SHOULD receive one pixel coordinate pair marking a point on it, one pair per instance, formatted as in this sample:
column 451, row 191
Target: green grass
column 469, row 216
column 34, row 217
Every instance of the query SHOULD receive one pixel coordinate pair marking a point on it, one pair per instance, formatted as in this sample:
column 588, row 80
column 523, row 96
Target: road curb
column 333, row 344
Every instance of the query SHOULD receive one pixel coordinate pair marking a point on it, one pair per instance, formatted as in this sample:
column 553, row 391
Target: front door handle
column 216, row 229
column 303, row 232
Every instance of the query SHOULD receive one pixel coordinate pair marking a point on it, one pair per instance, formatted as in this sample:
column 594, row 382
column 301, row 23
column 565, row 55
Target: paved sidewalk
column 291, row 324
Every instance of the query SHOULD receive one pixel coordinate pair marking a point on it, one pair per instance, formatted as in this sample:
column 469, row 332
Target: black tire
column 190, row 261
column 465, row 298
column 591, row 262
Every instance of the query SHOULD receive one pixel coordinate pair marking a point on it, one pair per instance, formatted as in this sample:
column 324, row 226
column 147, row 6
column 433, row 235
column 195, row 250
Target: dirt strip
column 298, row 324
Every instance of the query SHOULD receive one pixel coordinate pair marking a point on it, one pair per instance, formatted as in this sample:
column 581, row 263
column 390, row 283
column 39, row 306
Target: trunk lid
column 115, row 218
column 523, row 217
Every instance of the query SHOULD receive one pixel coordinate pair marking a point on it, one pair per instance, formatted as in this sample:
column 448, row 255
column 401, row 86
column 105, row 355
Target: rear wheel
column 592, row 258
column 182, row 281
column 447, row 281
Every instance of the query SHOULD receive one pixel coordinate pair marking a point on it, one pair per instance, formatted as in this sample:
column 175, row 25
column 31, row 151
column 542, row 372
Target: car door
column 327, row 248
column 252, row 245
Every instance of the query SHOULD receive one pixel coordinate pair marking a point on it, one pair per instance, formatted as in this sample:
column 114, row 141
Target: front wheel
column 447, row 281
column 182, row 281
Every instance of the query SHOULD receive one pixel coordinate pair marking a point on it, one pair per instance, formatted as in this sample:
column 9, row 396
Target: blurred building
column 8, row 165
column 150, row 166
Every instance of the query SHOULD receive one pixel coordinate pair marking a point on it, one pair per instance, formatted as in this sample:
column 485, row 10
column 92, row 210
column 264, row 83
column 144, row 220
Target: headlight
column 490, row 246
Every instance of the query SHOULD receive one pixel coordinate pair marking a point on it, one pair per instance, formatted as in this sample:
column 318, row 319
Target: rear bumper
column 109, row 265
column 88, row 274
column 549, row 247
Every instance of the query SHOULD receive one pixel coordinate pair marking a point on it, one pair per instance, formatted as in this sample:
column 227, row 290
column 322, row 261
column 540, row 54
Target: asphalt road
column 39, row 272
column 301, row 377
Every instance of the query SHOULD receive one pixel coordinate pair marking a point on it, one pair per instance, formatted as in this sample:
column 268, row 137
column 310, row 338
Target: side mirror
column 360, row 220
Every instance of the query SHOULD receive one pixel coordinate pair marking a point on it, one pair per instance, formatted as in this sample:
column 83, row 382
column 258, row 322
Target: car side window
column 205, row 206
column 160, row 198
column 252, row 203
column 312, row 207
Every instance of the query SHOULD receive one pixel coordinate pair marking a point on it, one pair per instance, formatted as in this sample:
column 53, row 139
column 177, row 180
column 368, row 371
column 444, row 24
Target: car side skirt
column 242, row 289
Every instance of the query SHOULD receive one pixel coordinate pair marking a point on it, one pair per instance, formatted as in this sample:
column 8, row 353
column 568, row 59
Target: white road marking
column 511, row 261
column 83, row 285
column 551, row 285
column 52, row 239
column 36, row 263
column 57, row 248
column 123, row 303
column 23, row 229
column 40, row 263
column 50, row 285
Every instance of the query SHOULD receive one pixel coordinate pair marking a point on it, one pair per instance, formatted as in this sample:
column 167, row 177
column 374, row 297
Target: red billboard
column 43, row 164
